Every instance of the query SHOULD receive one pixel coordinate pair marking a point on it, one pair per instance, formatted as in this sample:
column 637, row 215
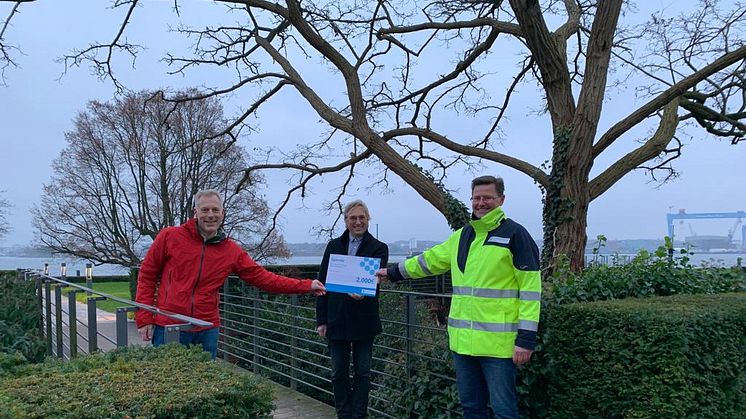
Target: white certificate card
column 352, row 274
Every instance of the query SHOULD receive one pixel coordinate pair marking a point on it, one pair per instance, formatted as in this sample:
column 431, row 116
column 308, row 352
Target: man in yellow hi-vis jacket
column 494, row 315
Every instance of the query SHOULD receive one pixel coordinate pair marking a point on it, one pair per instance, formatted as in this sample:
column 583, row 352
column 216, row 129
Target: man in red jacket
column 192, row 261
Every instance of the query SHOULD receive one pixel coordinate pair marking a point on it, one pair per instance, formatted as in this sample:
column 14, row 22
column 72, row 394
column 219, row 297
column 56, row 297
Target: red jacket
column 191, row 272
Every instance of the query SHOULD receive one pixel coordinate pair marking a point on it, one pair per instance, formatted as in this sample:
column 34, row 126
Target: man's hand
column 146, row 332
column 317, row 288
column 356, row 296
column 382, row 275
column 321, row 329
column 521, row 355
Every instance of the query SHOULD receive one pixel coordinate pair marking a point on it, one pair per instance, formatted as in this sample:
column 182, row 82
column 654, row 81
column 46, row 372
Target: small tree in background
column 131, row 168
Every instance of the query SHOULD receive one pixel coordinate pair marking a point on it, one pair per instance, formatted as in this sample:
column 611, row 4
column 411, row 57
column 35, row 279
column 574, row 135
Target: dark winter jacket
column 189, row 272
column 345, row 317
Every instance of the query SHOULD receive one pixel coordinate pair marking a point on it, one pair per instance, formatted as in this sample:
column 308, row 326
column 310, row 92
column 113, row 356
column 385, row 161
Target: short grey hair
column 356, row 203
column 207, row 192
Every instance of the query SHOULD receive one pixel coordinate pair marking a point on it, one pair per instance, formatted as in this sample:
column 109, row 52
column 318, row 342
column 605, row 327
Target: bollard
column 88, row 276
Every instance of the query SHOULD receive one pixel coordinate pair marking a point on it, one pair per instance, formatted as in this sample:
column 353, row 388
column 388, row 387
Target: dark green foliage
column 646, row 275
column 263, row 333
column 429, row 389
column 681, row 356
column 168, row 382
column 557, row 210
column 422, row 383
column 133, row 282
column 19, row 318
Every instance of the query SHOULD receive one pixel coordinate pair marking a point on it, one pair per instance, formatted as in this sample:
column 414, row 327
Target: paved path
column 293, row 405
column 289, row 404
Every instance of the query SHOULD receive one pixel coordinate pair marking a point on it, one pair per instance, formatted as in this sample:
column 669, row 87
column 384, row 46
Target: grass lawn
column 119, row 289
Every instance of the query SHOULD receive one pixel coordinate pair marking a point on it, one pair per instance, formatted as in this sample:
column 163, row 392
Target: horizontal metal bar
column 152, row 309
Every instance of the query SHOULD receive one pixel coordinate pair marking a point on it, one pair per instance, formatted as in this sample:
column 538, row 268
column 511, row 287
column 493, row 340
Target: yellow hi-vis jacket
column 494, row 266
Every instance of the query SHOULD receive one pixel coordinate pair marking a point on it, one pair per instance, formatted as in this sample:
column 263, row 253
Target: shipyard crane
column 683, row 215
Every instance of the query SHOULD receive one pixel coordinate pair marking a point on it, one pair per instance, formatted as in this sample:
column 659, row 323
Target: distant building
column 706, row 243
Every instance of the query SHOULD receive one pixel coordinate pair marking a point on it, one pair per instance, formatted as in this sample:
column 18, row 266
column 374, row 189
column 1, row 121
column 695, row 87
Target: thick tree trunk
column 566, row 204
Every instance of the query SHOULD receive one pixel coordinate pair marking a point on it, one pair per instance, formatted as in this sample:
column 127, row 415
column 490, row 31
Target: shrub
column 132, row 279
column 19, row 321
column 648, row 274
column 682, row 356
column 425, row 387
column 166, row 382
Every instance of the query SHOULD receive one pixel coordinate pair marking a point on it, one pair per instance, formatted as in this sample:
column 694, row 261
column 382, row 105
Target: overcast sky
column 38, row 108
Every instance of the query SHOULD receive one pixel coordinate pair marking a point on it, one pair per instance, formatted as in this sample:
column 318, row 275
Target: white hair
column 356, row 203
column 207, row 192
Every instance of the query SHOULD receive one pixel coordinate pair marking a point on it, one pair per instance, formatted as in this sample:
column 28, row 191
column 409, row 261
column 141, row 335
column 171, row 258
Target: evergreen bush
column 680, row 356
column 166, row 382
column 19, row 318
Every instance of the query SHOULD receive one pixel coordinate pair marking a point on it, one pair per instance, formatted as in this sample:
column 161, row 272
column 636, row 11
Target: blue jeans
column 351, row 401
column 207, row 338
column 484, row 381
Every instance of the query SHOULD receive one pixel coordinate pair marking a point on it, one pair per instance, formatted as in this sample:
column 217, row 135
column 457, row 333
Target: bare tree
column 688, row 70
column 5, row 226
column 132, row 166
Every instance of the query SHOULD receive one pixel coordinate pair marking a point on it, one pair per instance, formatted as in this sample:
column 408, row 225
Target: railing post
column 293, row 342
column 48, row 316
column 40, row 302
column 222, row 341
column 255, row 328
column 411, row 323
column 173, row 331
column 72, row 319
column 58, row 319
column 92, row 325
column 121, row 327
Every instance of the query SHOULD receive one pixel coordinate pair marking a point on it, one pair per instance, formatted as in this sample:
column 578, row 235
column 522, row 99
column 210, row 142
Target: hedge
column 166, row 382
column 680, row 356
column 19, row 318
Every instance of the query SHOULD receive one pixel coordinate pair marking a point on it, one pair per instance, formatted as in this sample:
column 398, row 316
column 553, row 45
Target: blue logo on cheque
column 368, row 264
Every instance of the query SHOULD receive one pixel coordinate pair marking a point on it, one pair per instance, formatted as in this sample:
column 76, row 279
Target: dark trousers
column 484, row 381
column 351, row 401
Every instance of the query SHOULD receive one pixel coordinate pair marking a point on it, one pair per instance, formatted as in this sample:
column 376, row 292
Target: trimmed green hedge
column 19, row 318
column 680, row 356
column 167, row 382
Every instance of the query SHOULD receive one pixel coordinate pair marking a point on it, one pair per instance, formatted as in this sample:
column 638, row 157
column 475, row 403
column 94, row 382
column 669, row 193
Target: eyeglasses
column 483, row 198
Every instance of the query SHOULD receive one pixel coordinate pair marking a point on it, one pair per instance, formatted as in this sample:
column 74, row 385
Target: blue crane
column 683, row 215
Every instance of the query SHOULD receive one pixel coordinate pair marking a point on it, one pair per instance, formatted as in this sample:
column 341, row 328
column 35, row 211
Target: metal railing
column 275, row 336
column 62, row 329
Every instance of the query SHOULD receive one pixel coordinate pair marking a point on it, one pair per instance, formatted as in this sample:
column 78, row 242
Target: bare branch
column 666, row 96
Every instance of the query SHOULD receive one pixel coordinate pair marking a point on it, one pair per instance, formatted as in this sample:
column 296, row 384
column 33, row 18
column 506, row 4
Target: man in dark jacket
column 188, row 264
column 351, row 321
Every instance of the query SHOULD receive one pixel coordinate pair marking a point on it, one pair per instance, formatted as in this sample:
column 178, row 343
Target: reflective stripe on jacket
column 494, row 266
